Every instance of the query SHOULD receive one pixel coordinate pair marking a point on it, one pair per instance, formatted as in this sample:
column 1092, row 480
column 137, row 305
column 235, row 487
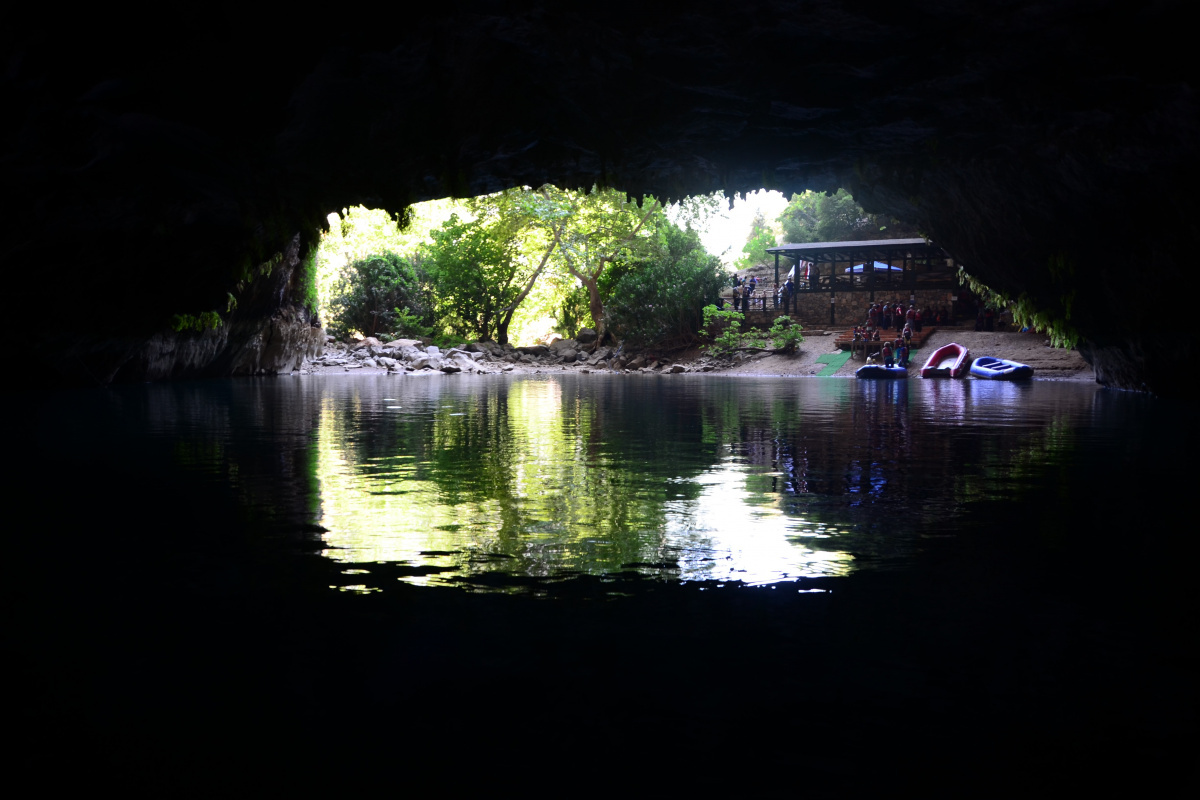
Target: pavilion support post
column 777, row 269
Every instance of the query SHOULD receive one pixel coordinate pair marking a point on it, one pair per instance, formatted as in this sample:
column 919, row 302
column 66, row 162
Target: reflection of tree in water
column 559, row 474
column 539, row 476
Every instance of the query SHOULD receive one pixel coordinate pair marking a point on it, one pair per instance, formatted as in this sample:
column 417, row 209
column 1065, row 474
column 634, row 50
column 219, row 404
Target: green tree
column 761, row 237
column 484, row 267
column 596, row 230
column 357, row 233
column 836, row 217
column 661, row 299
column 370, row 292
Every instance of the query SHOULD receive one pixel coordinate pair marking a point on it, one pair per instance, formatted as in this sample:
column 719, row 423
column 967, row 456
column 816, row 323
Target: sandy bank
column 1049, row 363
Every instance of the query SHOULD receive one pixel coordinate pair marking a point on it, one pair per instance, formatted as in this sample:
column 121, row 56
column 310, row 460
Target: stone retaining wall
column 811, row 309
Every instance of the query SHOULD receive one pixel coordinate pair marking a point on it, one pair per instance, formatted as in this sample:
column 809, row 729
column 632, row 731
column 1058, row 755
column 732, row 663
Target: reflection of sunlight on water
column 556, row 508
column 730, row 533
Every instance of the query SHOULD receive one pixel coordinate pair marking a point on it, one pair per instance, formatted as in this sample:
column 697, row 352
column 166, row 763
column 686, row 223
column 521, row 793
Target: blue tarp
column 858, row 269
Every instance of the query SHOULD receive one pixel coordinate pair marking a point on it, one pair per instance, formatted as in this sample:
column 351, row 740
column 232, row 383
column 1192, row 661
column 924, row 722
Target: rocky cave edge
column 1050, row 146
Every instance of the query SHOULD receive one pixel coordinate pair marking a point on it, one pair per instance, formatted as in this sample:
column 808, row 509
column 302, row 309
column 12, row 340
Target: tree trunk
column 595, row 306
column 507, row 314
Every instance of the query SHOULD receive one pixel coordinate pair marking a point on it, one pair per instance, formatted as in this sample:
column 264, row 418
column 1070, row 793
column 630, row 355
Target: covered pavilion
column 912, row 264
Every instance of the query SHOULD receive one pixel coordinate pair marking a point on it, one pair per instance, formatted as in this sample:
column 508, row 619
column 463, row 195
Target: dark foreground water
column 841, row 583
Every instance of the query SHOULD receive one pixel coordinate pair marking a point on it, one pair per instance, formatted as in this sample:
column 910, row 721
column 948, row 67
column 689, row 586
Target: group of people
column 893, row 315
column 882, row 318
column 893, row 351
column 746, row 293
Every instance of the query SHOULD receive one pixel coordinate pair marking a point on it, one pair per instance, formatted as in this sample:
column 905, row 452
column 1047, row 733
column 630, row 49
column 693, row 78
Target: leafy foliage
column 817, row 217
column 598, row 230
column 308, row 280
column 663, row 298
column 204, row 321
column 785, row 334
column 406, row 323
column 1054, row 323
column 761, row 237
column 572, row 312
column 366, row 299
column 725, row 329
column 358, row 233
column 524, row 260
column 484, row 266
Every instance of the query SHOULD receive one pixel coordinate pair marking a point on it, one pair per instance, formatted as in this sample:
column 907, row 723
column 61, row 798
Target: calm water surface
column 494, row 482
column 823, row 579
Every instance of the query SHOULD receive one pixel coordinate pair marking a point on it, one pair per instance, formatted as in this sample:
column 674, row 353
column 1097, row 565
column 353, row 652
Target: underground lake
column 327, row 578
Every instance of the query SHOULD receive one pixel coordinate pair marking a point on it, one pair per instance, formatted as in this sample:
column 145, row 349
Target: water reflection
column 700, row 479
column 490, row 478
column 551, row 477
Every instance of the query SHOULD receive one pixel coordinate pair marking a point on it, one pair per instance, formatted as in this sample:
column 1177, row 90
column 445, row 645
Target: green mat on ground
column 834, row 362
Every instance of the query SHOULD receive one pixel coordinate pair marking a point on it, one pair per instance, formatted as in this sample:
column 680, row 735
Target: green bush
column 725, row 329
column 661, row 300
column 369, row 296
column 785, row 334
column 573, row 313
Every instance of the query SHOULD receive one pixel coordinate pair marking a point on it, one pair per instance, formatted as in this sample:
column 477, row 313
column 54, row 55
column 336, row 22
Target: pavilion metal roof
column 870, row 244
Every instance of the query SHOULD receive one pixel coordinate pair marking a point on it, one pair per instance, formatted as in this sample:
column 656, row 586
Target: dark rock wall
column 1050, row 146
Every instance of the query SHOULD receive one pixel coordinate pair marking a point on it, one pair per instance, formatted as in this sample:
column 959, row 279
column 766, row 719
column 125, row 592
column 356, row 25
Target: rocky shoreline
column 585, row 355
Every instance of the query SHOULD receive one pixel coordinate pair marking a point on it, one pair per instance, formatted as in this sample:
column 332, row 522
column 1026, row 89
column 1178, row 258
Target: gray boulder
column 427, row 362
column 585, row 336
column 601, row 354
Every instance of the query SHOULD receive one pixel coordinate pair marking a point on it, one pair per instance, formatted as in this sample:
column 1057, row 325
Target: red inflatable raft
column 949, row 361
